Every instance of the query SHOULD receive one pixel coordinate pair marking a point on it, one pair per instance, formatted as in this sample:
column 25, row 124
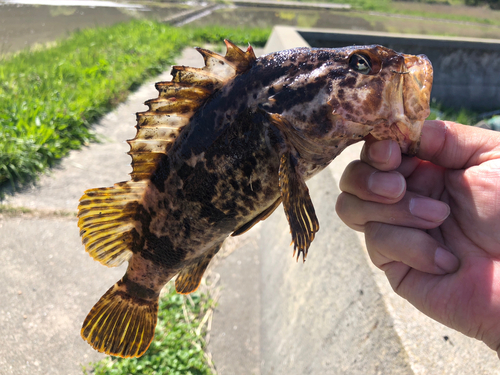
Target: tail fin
column 121, row 325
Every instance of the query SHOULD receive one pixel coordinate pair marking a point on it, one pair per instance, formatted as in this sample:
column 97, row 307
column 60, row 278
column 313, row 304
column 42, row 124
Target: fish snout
column 417, row 87
column 416, row 90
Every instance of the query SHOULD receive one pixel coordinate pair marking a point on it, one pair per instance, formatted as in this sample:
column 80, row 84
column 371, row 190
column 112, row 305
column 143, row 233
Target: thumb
column 457, row 146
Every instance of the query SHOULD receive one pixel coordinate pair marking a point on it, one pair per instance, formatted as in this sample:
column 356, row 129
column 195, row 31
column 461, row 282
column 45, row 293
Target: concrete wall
column 324, row 316
column 466, row 70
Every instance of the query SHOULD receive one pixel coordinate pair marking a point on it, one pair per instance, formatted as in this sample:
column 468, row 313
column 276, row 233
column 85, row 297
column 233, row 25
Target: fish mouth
column 414, row 98
column 417, row 86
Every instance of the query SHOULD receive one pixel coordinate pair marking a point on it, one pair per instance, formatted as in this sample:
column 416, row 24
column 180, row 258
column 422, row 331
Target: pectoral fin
column 298, row 206
column 306, row 149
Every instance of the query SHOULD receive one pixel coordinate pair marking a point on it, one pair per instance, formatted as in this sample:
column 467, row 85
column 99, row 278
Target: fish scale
column 219, row 150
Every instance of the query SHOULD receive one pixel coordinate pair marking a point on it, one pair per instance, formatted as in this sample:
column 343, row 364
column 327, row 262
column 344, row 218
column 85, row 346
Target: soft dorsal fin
column 106, row 214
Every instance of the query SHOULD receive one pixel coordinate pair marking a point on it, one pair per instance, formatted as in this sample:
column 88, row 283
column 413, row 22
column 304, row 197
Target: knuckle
column 374, row 231
column 346, row 210
column 341, row 206
column 345, row 180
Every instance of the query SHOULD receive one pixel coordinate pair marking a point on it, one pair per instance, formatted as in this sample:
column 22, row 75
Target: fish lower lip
column 408, row 145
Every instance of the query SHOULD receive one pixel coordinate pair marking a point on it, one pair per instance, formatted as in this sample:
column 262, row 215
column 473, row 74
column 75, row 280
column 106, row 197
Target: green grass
column 257, row 37
column 379, row 5
column 485, row 19
column 49, row 98
column 178, row 346
column 12, row 211
column 462, row 116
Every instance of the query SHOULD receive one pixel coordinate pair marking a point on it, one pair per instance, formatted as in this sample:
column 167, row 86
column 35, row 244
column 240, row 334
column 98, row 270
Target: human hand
column 432, row 223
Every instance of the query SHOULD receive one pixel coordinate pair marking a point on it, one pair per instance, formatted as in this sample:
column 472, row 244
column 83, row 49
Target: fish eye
column 360, row 63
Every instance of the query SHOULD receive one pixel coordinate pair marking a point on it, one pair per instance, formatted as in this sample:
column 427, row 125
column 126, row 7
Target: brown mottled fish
column 218, row 151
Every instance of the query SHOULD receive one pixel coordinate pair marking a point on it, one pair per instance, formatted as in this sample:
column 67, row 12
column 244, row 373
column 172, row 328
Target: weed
column 456, row 9
column 12, row 211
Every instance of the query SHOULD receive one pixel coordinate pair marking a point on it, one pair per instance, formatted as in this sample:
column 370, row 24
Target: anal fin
column 298, row 206
column 189, row 278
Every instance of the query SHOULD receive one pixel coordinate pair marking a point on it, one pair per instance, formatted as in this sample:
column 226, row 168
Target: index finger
column 383, row 155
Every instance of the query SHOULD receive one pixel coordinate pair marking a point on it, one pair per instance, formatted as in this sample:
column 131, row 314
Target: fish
column 219, row 150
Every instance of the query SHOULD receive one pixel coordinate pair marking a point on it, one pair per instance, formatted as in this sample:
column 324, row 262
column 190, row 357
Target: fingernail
column 429, row 209
column 446, row 260
column 381, row 151
column 387, row 184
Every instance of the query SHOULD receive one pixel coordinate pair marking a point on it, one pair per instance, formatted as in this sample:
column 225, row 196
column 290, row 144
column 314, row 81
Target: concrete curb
column 291, row 4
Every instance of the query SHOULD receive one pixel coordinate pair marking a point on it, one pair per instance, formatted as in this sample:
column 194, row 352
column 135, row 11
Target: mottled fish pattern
column 219, row 150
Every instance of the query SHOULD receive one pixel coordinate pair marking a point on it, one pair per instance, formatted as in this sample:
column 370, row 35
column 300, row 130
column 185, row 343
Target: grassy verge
column 462, row 116
column 49, row 98
column 13, row 211
column 179, row 345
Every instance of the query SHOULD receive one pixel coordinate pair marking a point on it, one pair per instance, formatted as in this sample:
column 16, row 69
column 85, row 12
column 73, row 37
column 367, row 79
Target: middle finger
column 412, row 211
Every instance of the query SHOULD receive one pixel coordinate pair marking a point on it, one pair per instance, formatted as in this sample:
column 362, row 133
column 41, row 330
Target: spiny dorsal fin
column 235, row 59
column 177, row 102
column 106, row 215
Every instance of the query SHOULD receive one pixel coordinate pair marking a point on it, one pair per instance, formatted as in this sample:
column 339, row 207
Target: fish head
column 386, row 91
column 335, row 97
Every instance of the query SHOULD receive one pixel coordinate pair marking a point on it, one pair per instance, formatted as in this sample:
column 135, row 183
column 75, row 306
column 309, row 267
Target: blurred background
column 24, row 23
